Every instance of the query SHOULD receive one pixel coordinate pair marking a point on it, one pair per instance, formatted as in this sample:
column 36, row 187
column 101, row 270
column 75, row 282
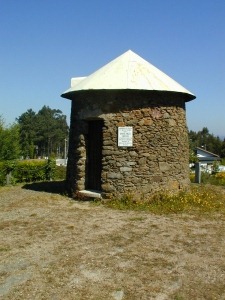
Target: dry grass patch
column 55, row 248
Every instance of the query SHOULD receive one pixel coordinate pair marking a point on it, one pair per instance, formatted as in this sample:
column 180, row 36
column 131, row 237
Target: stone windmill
column 128, row 130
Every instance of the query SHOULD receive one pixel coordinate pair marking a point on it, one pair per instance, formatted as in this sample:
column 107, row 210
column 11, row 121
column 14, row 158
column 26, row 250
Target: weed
column 206, row 178
column 96, row 202
column 33, row 215
column 199, row 198
column 4, row 249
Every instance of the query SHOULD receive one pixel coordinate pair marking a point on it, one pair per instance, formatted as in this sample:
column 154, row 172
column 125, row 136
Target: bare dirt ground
column 54, row 248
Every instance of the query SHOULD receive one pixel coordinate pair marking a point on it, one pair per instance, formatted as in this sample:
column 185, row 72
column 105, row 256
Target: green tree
column 52, row 130
column 27, row 124
column 43, row 133
column 9, row 141
column 223, row 149
column 206, row 140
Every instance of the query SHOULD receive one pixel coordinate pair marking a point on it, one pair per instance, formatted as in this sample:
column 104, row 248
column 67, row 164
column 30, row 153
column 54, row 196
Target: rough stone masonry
column 159, row 156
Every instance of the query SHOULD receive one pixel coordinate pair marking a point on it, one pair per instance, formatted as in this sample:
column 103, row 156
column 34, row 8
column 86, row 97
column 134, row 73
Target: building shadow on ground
column 54, row 187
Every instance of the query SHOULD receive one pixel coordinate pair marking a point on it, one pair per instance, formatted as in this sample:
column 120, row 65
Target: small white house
column 206, row 159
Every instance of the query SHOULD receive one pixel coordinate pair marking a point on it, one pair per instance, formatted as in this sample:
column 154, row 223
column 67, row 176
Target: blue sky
column 46, row 42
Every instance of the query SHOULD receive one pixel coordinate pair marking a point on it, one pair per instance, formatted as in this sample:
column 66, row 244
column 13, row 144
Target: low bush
column 220, row 178
column 27, row 171
column 60, row 173
column 206, row 178
column 2, row 173
column 192, row 177
column 200, row 198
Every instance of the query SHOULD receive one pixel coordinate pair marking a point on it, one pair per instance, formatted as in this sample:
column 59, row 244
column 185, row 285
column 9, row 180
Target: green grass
column 200, row 198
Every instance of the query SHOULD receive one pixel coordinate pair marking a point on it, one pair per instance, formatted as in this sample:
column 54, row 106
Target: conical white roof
column 128, row 71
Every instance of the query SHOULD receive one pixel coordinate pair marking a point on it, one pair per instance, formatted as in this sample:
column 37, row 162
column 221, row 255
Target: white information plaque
column 125, row 136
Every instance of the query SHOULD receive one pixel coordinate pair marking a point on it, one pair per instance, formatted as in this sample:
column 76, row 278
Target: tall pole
column 197, row 172
column 65, row 150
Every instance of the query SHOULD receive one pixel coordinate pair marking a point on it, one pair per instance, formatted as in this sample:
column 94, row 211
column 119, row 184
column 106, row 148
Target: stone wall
column 159, row 156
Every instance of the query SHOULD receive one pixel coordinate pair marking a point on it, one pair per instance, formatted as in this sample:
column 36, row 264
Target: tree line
column 34, row 135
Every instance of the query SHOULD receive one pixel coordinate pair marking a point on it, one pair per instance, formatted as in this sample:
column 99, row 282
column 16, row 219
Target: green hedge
column 27, row 170
column 60, row 173
column 2, row 174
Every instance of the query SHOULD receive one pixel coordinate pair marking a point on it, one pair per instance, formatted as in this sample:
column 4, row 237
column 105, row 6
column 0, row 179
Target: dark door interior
column 94, row 153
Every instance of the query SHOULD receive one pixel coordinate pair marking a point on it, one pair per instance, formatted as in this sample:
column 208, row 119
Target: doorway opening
column 94, row 154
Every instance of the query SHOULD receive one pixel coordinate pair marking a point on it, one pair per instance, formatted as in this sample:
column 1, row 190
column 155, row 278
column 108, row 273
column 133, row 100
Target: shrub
column 200, row 198
column 220, row 178
column 2, row 173
column 60, row 173
column 206, row 178
column 6, row 168
column 27, row 170
column 192, row 177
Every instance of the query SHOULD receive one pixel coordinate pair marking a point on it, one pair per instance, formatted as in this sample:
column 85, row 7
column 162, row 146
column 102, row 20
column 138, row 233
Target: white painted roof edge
column 76, row 80
column 128, row 71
